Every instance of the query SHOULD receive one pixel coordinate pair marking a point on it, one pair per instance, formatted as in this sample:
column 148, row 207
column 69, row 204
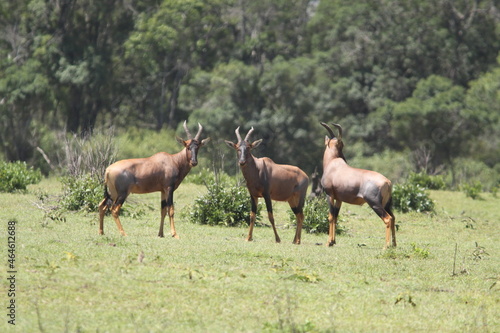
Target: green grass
column 444, row 275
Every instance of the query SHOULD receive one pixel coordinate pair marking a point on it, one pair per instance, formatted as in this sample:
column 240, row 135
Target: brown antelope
column 161, row 172
column 343, row 183
column 264, row 178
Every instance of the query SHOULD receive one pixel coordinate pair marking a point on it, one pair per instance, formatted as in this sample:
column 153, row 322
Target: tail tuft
column 107, row 196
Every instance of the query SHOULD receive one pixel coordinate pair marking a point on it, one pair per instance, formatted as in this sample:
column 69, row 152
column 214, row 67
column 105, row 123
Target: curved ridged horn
column 248, row 134
column 200, row 128
column 238, row 136
column 328, row 129
column 340, row 131
column 187, row 131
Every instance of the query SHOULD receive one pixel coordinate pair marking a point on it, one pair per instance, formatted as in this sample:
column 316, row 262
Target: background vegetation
column 414, row 83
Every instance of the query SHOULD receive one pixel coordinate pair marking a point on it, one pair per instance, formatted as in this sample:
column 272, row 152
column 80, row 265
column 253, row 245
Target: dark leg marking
column 334, row 211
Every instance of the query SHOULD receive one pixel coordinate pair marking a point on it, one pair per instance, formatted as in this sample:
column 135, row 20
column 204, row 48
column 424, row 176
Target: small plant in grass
column 479, row 253
column 416, row 252
column 419, row 252
column 405, row 298
column 224, row 204
column 16, row 176
column 316, row 216
column 472, row 190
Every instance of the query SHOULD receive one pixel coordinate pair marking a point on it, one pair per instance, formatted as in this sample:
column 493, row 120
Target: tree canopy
column 420, row 77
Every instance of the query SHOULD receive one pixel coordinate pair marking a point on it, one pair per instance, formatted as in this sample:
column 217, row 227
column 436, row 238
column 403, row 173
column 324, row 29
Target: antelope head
column 243, row 147
column 193, row 145
column 334, row 143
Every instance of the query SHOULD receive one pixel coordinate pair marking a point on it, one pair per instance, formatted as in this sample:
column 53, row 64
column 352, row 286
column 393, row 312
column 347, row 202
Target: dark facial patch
column 243, row 148
column 193, row 148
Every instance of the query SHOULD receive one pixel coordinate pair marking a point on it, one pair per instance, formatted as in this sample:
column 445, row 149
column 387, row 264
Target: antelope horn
column 340, row 131
column 187, row 131
column 200, row 128
column 248, row 134
column 238, row 136
column 328, row 129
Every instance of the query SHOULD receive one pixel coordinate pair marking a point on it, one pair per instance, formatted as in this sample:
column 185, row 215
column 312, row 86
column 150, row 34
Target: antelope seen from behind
column 161, row 172
column 343, row 183
column 272, row 181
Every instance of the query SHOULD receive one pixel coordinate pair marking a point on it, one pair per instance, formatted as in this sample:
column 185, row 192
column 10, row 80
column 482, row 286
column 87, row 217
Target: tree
column 382, row 49
column 483, row 112
column 167, row 44
column 432, row 123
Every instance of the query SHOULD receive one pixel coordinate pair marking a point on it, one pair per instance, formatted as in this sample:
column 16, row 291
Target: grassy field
column 443, row 277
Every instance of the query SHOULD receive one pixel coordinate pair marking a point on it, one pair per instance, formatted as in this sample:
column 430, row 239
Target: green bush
column 409, row 197
column 83, row 192
column 427, row 181
column 316, row 216
column 224, row 204
column 473, row 190
column 16, row 176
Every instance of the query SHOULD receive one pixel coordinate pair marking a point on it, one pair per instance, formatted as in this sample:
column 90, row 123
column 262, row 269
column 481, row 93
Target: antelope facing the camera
column 343, row 183
column 272, row 181
column 161, row 172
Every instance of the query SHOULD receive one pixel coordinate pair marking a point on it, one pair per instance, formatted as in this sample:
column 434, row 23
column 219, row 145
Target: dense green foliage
column 83, row 192
column 16, row 176
column 409, row 197
column 224, row 204
column 427, row 181
column 414, row 78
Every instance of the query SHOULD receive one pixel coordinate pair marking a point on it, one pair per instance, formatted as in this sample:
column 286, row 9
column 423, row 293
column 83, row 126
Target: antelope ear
column 230, row 144
column 255, row 144
column 182, row 142
column 205, row 141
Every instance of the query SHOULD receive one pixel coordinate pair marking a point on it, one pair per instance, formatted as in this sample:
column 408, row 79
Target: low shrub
column 83, row 192
column 472, row 190
column 316, row 216
column 224, row 204
column 427, row 181
column 16, row 176
column 409, row 197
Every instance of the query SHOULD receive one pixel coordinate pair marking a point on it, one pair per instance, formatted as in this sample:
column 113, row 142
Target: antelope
column 161, row 172
column 343, row 183
column 272, row 181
